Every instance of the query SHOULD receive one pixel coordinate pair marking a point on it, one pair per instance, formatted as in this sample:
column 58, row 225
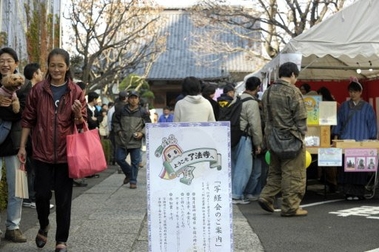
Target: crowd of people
column 38, row 139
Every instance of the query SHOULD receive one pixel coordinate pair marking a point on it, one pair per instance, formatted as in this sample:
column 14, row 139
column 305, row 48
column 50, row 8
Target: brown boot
column 14, row 235
column 266, row 205
column 299, row 212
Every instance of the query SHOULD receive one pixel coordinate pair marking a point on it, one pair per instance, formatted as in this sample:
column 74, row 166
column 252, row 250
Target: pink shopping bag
column 85, row 153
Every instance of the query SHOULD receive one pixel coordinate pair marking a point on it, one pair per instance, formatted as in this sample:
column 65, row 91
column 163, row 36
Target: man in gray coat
column 128, row 125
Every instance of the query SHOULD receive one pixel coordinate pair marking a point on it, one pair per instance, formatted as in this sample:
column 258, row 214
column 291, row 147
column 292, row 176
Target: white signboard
column 328, row 113
column 329, row 157
column 189, row 187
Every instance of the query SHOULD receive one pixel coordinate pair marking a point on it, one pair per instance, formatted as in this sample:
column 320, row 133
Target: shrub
column 3, row 190
column 107, row 148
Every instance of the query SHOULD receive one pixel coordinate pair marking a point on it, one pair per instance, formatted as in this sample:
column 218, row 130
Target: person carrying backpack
column 249, row 143
column 226, row 98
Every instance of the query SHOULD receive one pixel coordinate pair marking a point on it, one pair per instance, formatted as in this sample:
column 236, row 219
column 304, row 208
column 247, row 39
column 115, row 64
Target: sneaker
column 240, row 201
column 80, row 184
column 299, row 212
column 251, row 197
column 29, row 204
column 26, row 204
column 14, row 235
column 265, row 205
column 33, row 205
column 133, row 186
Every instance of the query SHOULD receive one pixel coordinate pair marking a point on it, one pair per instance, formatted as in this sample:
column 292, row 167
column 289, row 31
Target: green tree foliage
column 3, row 190
column 135, row 82
column 43, row 32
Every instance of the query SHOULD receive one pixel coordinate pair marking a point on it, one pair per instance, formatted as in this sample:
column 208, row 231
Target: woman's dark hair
column 286, row 70
column 325, row 93
column 191, row 86
column 208, row 90
column 306, row 87
column 66, row 56
column 10, row 51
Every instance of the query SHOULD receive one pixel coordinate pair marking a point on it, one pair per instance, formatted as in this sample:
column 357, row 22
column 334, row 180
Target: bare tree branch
column 114, row 37
column 277, row 21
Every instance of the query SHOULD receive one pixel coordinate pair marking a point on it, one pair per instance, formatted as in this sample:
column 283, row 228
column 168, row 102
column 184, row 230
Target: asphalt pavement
column 332, row 224
column 108, row 216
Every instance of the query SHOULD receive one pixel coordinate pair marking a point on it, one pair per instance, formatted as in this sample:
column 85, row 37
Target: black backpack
column 232, row 114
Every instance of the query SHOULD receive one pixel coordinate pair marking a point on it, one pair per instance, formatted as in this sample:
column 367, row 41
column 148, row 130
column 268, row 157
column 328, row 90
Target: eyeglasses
column 9, row 62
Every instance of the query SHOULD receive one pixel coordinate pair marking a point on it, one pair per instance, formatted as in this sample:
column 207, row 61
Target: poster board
column 313, row 109
column 328, row 113
column 189, row 187
column 361, row 160
column 329, row 157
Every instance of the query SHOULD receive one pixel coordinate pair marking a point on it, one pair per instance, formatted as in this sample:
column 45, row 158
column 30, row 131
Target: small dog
column 10, row 84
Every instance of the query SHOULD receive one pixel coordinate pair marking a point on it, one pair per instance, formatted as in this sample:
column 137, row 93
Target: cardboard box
column 322, row 132
column 353, row 144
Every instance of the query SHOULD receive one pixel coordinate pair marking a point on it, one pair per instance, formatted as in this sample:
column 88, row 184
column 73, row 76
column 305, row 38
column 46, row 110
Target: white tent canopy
column 335, row 48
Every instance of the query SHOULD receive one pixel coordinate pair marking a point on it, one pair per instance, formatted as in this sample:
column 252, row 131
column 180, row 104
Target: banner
column 189, row 187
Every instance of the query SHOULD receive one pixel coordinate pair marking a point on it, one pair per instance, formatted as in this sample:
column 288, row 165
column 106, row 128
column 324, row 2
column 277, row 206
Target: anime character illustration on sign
column 179, row 164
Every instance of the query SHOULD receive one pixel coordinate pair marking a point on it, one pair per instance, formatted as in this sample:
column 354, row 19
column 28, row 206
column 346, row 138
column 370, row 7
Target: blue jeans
column 254, row 186
column 14, row 207
column 130, row 171
column 242, row 163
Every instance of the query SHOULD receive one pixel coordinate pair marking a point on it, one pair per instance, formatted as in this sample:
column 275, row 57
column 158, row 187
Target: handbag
column 284, row 144
column 281, row 141
column 85, row 155
column 21, row 190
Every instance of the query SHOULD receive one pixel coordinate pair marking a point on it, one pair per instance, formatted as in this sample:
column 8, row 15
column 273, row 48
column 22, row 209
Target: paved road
column 111, row 217
column 29, row 216
column 324, row 229
column 331, row 225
